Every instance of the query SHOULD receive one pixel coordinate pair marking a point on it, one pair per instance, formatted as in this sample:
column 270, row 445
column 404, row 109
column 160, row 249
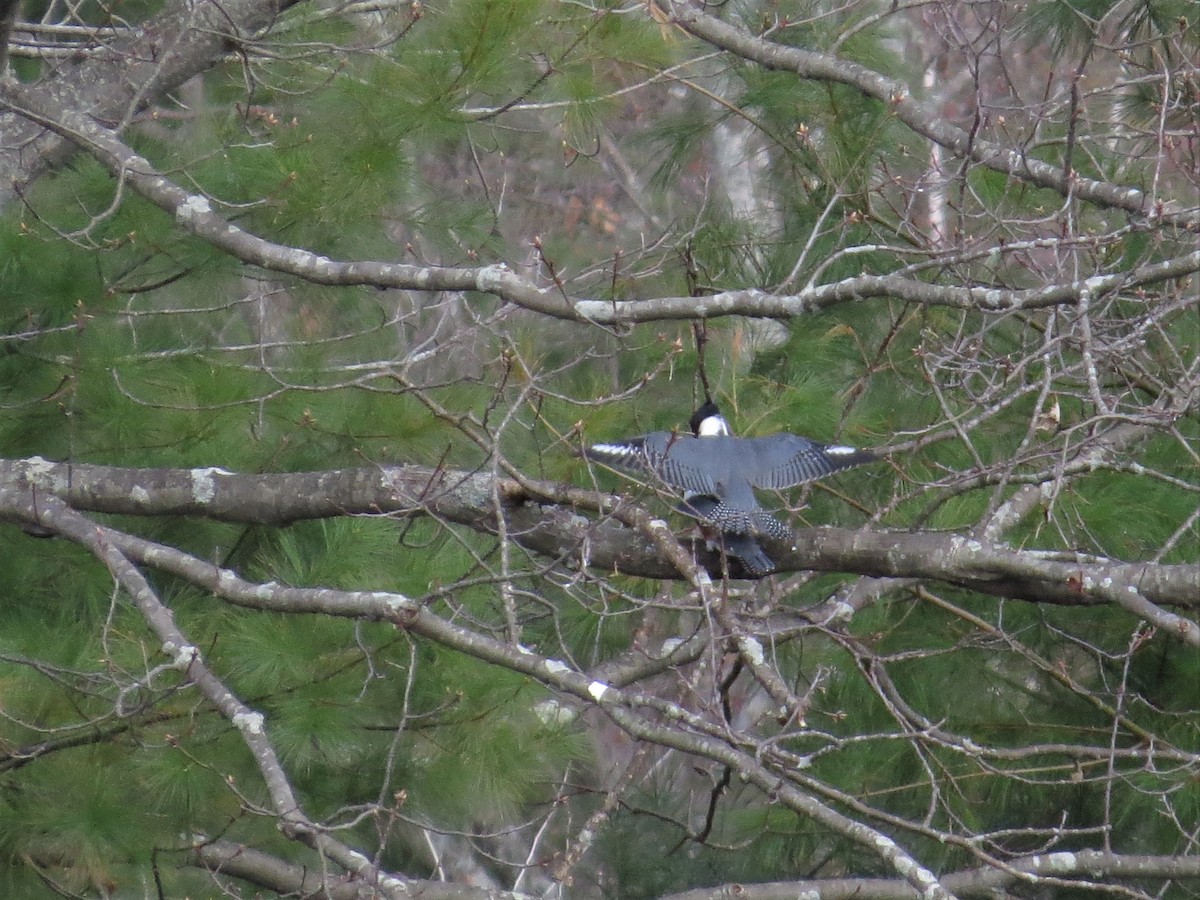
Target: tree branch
column 195, row 214
column 924, row 120
column 126, row 73
column 8, row 14
column 1086, row 867
column 250, row 724
column 543, row 518
column 286, row 878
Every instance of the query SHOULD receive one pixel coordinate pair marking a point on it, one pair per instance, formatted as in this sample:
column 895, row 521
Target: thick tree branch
column 623, row 706
column 547, row 524
column 413, row 614
column 628, row 708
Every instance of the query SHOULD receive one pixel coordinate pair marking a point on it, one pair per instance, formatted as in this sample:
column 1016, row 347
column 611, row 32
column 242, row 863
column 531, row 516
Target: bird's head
column 707, row 421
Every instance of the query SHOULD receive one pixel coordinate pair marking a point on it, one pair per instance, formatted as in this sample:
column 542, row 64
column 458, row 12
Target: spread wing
column 707, row 471
column 786, row 460
column 669, row 456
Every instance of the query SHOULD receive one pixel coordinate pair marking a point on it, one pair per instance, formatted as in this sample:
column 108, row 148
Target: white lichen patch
column 393, row 603
column 596, row 310
column 192, row 208
column 842, row 612
column 490, row 278
column 204, row 486
column 1096, row 459
column 315, row 264
column 1059, row 862
column 553, row 713
column 992, row 299
column 249, row 722
column 598, row 689
column 556, row 667
column 45, row 473
column 669, row 646
column 753, row 651
column 181, row 655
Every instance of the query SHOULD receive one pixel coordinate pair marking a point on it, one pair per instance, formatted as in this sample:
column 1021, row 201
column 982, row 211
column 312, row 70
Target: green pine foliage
column 128, row 342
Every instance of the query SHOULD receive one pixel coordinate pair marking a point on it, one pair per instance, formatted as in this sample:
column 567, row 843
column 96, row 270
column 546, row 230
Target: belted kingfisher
column 718, row 473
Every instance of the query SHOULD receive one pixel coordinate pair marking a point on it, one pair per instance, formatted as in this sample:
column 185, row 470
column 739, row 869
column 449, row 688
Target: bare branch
column 1084, row 868
column 251, row 725
column 125, row 73
column 922, row 119
column 274, row 874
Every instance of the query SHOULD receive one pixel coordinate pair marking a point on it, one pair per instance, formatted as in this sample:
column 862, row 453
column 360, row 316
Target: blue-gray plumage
column 717, row 474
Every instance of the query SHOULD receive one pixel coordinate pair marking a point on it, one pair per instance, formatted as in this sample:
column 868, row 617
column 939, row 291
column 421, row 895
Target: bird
column 717, row 474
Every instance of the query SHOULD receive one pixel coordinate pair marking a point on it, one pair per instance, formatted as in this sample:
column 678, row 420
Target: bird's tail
column 743, row 547
column 709, row 509
column 749, row 552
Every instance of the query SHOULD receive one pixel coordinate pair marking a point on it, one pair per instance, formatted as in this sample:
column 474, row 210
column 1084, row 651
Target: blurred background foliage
column 581, row 143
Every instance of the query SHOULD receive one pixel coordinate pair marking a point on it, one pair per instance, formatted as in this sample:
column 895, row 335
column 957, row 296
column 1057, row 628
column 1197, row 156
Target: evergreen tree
column 309, row 310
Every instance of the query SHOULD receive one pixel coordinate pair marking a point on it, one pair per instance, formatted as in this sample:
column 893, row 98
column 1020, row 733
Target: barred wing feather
column 626, row 454
column 786, row 460
column 665, row 454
